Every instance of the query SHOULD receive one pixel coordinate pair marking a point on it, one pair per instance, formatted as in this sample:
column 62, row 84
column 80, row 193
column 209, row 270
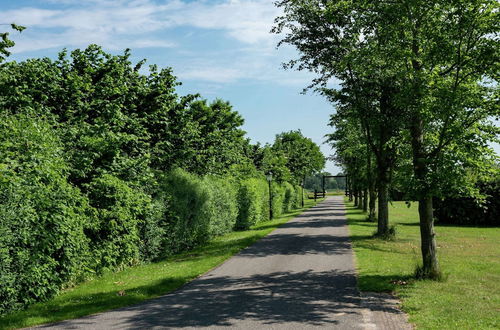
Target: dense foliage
column 42, row 242
column 417, row 91
column 469, row 210
column 103, row 167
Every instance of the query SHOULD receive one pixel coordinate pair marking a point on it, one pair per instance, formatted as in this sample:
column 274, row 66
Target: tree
column 6, row 43
column 275, row 162
column 302, row 156
column 353, row 153
column 204, row 138
column 435, row 65
column 334, row 41
column 447, row 55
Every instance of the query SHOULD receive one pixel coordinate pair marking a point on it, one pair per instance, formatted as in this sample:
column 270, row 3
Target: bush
column 222, row 205
column 198, row 209
column 264, row 199
column 153, row 230
column 471, row 211
column 278, row 192
column 253, row 202
column 42, row 243
column 121, row 209
column 289, row 197
column 298, row 197
column 186, row 196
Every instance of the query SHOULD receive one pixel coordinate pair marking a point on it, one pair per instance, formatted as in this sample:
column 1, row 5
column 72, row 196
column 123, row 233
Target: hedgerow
column 42, row 242
column 103, row 167
column 222, row 205
column 253, row 197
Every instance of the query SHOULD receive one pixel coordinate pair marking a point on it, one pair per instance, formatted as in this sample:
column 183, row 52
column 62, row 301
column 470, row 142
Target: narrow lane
column 300, row 276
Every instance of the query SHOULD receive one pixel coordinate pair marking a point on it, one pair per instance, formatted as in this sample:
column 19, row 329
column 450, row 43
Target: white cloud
column 247, row 21
column 212, row 74
column 120, row 24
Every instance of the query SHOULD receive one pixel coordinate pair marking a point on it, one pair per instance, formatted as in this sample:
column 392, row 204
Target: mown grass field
column 469, row 297
column 139, row 283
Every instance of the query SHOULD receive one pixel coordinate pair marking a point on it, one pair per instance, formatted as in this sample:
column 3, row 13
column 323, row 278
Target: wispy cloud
column 248, row 51
column 247, row 21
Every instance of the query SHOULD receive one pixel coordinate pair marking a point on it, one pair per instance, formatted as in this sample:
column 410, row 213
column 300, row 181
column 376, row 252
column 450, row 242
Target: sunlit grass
column 139, row 283
column 469, row 256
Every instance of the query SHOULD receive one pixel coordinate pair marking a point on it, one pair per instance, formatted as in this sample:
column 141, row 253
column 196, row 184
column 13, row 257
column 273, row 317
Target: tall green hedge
column 42, row 242
column 53, row 235
column 87, row 148
column 289, row 197
column 278, row 192
column 201, row 208
column 115, row 234
column 222, row 205
column 253, row 202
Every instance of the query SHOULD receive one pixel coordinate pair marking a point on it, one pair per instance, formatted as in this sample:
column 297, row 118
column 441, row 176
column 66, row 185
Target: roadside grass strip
column 468, row 298
column 136, row 284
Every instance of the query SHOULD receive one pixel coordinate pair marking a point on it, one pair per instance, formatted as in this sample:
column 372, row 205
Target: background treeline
column 315, row 182
column 415, row 105
column 103, row 166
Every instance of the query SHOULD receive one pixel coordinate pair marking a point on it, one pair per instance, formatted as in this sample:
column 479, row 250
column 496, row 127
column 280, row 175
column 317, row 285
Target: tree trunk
column 384, row 160
column 383, row 205
column 430, row 268
column 350, row 189
column 365, row 200
column 371, row 185
column 355, row 197
column 383, row 181
column 427, row 235
column 372, row 216
column 360, row 199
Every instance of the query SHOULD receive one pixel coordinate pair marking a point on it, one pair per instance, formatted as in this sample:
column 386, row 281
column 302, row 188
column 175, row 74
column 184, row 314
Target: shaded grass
column 469, row 257
column 144, row 281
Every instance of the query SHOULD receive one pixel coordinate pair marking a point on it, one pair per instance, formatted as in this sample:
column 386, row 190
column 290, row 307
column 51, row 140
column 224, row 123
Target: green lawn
column 469, row 256
column 141, row 282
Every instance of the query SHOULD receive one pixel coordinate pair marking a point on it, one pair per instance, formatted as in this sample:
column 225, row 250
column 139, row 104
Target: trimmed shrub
column 298, row 197
column 222, row 205
column 186, row 196
column 264, row 199
column 115, row 236
column 289, row 197
column 42, row 241
column 153, row 230
column 196, row 209
column 251, row 203
column 278, row 192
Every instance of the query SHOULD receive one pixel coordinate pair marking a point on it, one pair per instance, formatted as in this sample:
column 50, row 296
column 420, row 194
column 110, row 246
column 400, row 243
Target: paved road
column 300, row 276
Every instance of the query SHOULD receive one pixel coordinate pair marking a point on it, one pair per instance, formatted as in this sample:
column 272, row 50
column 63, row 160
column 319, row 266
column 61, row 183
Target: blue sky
column 218, row 48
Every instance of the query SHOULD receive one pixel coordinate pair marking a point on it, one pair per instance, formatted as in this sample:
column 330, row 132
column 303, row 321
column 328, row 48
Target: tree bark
column 371, row 185
column 384, row 160
column 383, row 181
column 365, row 200
column 350, row 189
column 430, row 266
column 373, row 199
column 427, row 236
column 383, row 204
column 360, row 198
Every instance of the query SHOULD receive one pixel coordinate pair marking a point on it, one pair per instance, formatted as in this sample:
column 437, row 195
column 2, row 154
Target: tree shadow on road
column 307, row 298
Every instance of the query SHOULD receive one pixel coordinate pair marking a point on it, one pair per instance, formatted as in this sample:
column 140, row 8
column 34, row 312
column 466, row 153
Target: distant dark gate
column 335, row 176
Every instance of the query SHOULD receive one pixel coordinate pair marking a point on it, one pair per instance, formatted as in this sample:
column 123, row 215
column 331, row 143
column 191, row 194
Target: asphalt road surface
column 300, row 276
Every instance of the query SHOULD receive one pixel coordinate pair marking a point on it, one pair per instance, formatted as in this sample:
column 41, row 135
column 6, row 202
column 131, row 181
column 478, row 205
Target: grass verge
column 469, row 256
column 142, row 282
